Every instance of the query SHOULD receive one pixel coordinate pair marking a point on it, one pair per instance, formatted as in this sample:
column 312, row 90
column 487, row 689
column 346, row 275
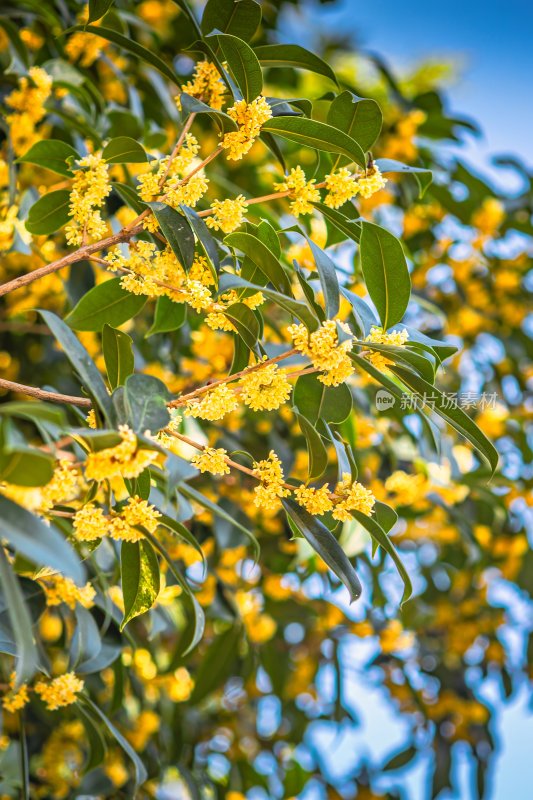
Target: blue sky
column 491, row 43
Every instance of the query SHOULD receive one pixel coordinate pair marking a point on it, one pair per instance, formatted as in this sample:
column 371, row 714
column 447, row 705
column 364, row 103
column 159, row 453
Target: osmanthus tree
column 220, row 383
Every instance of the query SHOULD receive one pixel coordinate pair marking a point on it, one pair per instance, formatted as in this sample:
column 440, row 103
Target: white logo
column 384, row 400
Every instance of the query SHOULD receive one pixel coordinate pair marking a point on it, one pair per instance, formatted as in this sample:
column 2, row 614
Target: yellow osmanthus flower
column 63, row 487
column 62, row 691
column 394, row 638
column 341, row 186
column 316, row 501
column 212, row 460
column 90, row 523
column 227, row 215
column 27, row 102
column 260, row 627
column 379, row 336
column 206, row 85
column 265, row 389
column 178, row 685
column 168, row 177
column 303, row 193
column 214, row 405
column 352, row 496
column 58, row 589
column 136, row 512
column 15, row 699
column 249, row 118
column 371, row 182
column 9, row 223
column 124, row 460
column 269, row 472
column 488, row 218
column 90, row 188
column 408, row 489
column 325, row 350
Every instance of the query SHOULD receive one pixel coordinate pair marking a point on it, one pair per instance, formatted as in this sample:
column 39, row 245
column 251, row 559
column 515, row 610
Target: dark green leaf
column 86, row 641
column 131, row 46
column 299, row 310
column 51, row 154
column 191, row 105
column 38, row 542
column 97, row 9
column 263, row 257
column 246, row 323
column 177, row 231
column 139, row 569
column 146, row 400
column 124, row 150
column 95, row 740
column 385, row 272
column 359, row 117
column 327, row 273
column 81, row 361
column 21, row 624
column 422, row 176
column 243, row 64
column 169, row 316
column 316, row 449
column 380, row 537
column 204, row 236
column 349, row 227
column 315, row 134
column 26, row 466
column 217, row 663
column 325, row 544
column 106, row 303
column 292, row 55
column 49, row 213
column 118, row 355
column 316, row 401
column 238, row 17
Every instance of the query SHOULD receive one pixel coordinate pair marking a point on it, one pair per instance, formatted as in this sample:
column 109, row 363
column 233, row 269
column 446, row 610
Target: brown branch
column 41, row 394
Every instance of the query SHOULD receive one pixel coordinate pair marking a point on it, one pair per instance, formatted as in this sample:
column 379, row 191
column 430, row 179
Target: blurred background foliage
column 277, row 698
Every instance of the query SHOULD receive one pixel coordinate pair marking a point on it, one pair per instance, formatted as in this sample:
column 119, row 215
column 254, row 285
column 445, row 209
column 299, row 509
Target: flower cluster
column 205, row 85
column 62, row 691
column 351, row 496
column 269, row 473
column 27, row 102
column 214, row 405
column 58, row 589
column 212, row 460
column 125, row 460
column 265, row 389
column 90, row 187
column 90, row 523
column 326, row 352
column 61, row 489
column 342, row 185
column 303, row 193
column 315, row 500
column 379, row 336
column 227, row 215
column 249, row 118
column 168, row 177
column 15, row 699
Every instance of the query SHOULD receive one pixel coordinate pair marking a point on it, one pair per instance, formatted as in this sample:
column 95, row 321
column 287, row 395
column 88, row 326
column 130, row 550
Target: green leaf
column 169, row 316
column 359, row 117
column 131, row 46
column 239, row 17
column 315, row 134
column 292, row 55
column 243, row 64
column 106, row 303
column 97, row 9
column 38, row 542
column 422, row 176
column 26, row 466
column 263, row 257
column 21, row 623
column 51, row 154
column 204, row 236
column 316, row 449
column 180, row 530
column 349, row 227
column 81, row 361
column 86, row 642
column 246, row 323
column 400, row 759
column 217, row 663
column 118, row 355
column 49, row 213
column 16, row 42
column 327, row 272
column 124, row 150
column 378, row 534
column 140, row 771
column 177, row 231
column 385, row 272
column 325, row 544
column 146, row 400
column 45, row 412
column 191, row 105
column 455, row 416
column 95, row 740
column 139, row 570
column 316, row 401
column 295, row 307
